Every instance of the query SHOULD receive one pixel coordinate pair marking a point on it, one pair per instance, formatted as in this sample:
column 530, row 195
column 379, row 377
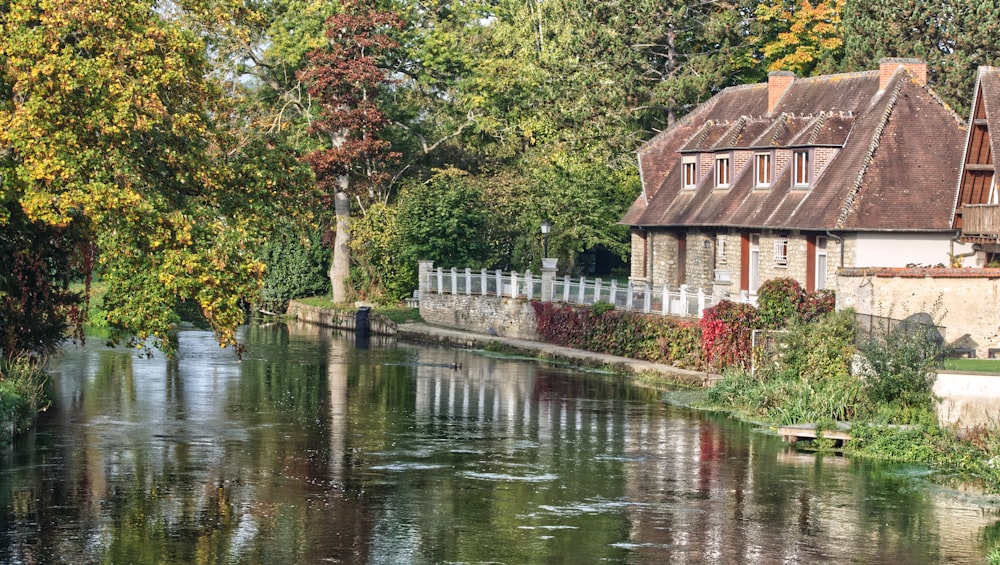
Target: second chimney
column 887, row 67
column 777, row 83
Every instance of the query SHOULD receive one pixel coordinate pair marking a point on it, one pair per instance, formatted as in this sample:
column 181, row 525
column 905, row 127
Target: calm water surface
column 311, row 450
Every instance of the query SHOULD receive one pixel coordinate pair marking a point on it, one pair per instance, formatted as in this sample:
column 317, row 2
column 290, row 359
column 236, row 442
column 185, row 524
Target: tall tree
column 110, row 120
column 345, row 78
column 955, row 37
column 801, row 36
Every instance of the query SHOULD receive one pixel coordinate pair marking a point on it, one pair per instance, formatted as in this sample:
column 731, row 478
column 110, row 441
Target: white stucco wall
column 902, row 249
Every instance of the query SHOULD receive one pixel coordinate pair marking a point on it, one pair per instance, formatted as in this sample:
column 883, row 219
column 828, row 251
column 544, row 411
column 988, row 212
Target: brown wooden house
column 977, row 206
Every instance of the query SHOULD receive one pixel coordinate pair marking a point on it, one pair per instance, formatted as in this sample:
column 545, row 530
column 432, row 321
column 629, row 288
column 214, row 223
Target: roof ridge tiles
column 852, row 195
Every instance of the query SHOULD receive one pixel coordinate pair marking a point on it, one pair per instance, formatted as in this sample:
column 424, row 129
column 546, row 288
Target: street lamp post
column 546, row 228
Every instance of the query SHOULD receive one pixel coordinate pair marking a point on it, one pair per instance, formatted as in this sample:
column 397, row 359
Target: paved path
column 435, row 334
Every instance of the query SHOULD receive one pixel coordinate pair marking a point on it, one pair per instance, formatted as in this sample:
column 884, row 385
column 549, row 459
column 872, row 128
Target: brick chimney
column 777, row 83
column 887, row 67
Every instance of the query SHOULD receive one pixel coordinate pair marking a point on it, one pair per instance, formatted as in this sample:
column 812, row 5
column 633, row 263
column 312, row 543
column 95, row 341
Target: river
column 312, row 450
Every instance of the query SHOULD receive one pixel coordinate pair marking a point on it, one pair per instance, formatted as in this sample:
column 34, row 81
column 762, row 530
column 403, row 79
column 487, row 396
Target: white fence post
column 665, row 308
column 628, row 297
column 440, row 278
column 468, row 281
column 647, row 298
column 612, row 298
column 566, row 284
column 528, row 284
column 499, row 283
column 597, row 290
column 513, row 284
column 684, row 300
column 482, row 281
column 701, row 302
column 583, row 288
column 454, row 281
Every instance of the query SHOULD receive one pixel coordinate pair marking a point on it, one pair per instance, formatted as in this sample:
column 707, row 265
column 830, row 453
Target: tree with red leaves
column 346, row 78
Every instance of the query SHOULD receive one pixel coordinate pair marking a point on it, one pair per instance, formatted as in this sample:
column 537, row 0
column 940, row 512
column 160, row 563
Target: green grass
column 398, row 314
column 983, row 365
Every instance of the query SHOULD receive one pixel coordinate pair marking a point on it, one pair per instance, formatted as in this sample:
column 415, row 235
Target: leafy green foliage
column 119, row 125
column 806, row 377
column 383, row 271
column 22, row 394
column 445, row 219
column 627, row 334
column 954, row 37
column 900, row 361
column 297, row 262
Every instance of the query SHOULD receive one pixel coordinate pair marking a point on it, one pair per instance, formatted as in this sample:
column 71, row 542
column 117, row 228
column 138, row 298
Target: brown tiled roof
column 898, row 152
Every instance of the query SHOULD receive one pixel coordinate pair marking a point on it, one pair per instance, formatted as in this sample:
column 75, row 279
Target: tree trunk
column 340, row 260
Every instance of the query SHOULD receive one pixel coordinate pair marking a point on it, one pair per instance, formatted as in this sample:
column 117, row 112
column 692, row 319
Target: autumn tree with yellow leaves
column 115, row 135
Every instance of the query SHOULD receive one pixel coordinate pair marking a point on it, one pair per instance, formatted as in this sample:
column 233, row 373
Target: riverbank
column 22, row 396
column 426, row 333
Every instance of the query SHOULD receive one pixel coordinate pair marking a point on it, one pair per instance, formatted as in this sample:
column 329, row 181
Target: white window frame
column 689, row 170
column 781, row 251
column 767, row 170
column 723, row 171
column 821, row 262
column 801, row 175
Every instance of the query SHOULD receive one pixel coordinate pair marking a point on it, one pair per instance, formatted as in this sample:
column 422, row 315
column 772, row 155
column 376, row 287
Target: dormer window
column 690, row 172
column 762, row 170
column 722, row 172
column 800, row 169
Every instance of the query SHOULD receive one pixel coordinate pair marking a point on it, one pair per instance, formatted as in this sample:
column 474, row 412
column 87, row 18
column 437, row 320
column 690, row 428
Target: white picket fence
column 582, row 291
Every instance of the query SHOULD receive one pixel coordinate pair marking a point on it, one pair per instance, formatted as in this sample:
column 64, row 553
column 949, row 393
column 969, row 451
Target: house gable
column 976, row 212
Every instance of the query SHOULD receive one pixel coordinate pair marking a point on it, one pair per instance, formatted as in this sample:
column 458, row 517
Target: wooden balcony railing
column 981, row 223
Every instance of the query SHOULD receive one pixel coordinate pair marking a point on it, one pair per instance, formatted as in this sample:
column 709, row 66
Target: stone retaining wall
column 967, row 399
column 508, row 317
column 964, row 301
column 341, row 319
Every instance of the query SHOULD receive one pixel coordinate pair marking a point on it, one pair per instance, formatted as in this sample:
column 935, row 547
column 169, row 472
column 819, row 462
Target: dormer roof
column 892, row 146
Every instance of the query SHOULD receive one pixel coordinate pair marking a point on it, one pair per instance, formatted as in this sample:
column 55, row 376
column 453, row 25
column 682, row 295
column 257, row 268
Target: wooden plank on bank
column 794, row 433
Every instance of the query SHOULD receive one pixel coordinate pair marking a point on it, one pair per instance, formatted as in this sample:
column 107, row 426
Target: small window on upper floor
column 722, row 172
column 762, row 170
column 690, row 172
column 800, row 169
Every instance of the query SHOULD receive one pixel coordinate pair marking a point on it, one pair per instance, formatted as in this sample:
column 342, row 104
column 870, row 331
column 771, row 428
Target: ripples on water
column 313, row 451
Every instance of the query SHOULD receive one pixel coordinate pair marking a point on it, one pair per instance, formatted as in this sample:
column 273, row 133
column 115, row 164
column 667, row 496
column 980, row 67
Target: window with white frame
column 800, row 169
column 762, row 170
column 722, row 172
column 781, row 251
column 821, row 257
column 720, row 245
column 690, row 172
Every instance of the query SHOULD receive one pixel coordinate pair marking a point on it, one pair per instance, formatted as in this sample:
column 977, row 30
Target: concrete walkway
column 433, row 334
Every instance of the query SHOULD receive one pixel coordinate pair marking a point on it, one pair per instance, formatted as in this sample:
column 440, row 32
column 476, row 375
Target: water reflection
column 311, row 450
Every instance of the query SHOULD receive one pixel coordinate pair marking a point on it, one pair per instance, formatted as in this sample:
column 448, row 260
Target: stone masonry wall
column 964, row 301
column 344, row 320
column 509, row 317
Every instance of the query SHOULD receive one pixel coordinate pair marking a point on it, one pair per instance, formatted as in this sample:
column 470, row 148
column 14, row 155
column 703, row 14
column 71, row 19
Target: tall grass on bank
column 22, row 395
